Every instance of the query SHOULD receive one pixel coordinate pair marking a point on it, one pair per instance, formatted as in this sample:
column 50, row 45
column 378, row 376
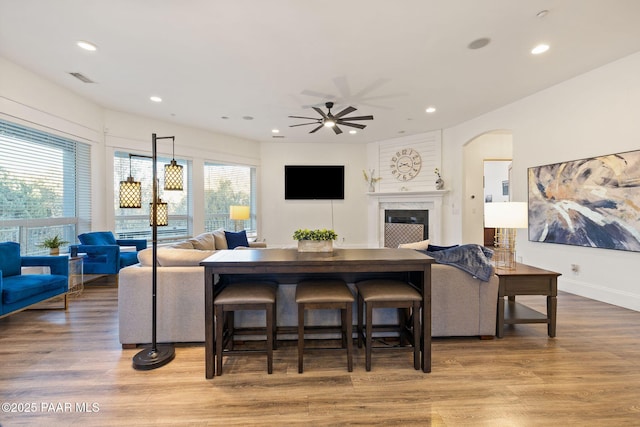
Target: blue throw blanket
column 472, row 258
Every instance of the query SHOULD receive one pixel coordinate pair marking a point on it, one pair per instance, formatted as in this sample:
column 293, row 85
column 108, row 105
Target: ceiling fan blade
column 359, row 118
column 345, row 111
column 301, row 117
column 303, row 124
column 353, row 125
column 319, row 111
column 316, row 129
column 336, row 129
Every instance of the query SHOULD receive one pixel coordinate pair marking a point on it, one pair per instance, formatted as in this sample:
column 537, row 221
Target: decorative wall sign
column 591, row 202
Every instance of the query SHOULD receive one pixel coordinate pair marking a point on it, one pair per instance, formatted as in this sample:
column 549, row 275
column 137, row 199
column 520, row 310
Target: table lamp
column 506, row 217
column 238, row 213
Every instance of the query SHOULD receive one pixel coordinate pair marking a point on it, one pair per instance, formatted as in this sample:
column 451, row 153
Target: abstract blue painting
column 591, row 202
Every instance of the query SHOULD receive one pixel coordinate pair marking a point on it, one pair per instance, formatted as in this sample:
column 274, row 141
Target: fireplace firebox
column 405, row 226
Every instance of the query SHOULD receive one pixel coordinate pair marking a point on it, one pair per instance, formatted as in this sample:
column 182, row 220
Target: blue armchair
column 19, row 291
column 103, row 252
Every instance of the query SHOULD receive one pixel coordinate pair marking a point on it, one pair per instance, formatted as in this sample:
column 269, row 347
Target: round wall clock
column 406, row 164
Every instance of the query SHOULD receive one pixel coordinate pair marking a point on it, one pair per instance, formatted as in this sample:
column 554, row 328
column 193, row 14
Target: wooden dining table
column 288, row 266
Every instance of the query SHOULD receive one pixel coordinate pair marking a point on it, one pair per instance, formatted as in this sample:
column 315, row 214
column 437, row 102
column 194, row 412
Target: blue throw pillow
column 236, row 239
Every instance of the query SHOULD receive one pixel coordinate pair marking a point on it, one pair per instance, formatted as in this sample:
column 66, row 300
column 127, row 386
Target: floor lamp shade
column 173, row 177
column 130, row 193
column 162, row 213
column 505, row 218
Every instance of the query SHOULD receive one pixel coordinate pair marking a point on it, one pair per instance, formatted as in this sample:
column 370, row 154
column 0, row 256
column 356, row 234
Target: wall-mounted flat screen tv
column 313, row 182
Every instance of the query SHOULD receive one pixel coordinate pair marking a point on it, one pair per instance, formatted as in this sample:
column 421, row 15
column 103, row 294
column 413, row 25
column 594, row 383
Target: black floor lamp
column 156, row 355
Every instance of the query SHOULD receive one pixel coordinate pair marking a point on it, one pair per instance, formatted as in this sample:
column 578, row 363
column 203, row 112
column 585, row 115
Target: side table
column 526, row 280
column 76, row 275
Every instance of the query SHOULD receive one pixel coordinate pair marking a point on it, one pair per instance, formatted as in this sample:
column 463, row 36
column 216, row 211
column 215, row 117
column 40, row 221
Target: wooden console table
column 526, row 280
column 289, row 266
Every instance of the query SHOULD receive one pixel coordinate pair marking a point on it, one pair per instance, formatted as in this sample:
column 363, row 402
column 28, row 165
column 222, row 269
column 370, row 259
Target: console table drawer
column 523, row 285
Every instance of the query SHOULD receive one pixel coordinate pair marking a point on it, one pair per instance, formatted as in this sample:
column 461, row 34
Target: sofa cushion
column 185, row 244
column 220, row 238
column 204, row 241
column 145, row 257
column 422, row 245
column 18, row 288
column 235, row 240
column 171, row 257
column 10, row 259
column 182, row 257
column 98, row 238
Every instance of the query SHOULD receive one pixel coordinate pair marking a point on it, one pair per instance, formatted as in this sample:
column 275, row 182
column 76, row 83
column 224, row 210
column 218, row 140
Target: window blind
column 45, row 186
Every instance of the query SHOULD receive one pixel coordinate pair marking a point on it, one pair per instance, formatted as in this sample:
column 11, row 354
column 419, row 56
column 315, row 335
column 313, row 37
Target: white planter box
column 315, row 245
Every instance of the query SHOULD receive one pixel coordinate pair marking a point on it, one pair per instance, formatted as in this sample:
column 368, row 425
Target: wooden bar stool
column 389, row 294
column 245, row 296
column 325, row 295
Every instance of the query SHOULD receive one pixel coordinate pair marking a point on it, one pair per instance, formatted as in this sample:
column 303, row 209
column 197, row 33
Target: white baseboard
column 600, row 293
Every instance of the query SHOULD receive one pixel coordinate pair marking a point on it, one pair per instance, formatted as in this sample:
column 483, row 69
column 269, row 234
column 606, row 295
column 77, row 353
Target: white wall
column 280, row 217
column 593, row 114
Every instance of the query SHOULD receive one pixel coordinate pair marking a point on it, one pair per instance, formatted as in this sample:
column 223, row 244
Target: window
column 134, row 223
column 225, row 186
column 45, row 187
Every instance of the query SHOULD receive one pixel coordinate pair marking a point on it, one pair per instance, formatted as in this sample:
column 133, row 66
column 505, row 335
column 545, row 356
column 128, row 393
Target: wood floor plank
column 71, row 366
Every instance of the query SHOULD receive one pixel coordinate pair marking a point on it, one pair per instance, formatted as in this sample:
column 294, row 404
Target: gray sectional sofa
column 462, row 305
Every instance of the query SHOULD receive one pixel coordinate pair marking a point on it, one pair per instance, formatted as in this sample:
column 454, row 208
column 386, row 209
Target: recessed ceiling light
column 247, row 117
column 479, row 43
column 430, row 110
column 541, row 48
column 155, row 99
column 353, row 131
column 224, row 118
column 275, row 130
column 87, row 46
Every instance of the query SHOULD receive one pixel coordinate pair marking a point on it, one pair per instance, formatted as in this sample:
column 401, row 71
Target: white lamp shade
column 506, row 215
column 239, row 212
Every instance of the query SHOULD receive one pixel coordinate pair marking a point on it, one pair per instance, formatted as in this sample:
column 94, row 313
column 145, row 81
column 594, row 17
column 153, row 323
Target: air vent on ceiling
column 277, row 136
column 82, row 77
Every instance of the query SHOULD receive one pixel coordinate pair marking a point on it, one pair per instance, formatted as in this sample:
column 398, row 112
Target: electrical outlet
column 575, row 268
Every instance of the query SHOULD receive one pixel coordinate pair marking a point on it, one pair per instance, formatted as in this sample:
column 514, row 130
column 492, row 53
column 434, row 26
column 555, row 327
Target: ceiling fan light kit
column 331, row 120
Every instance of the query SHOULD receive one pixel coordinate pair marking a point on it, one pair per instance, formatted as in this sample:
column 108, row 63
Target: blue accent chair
column 19, row 291
column 103, row 255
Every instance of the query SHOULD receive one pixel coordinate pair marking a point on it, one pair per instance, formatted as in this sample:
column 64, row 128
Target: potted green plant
column 53, row 243
column 315, row 240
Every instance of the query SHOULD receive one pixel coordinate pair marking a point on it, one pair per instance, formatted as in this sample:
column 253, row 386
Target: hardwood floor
column 71, row 367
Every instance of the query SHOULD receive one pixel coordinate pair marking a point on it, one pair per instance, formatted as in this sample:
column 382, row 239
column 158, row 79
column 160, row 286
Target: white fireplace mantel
column 379, row 202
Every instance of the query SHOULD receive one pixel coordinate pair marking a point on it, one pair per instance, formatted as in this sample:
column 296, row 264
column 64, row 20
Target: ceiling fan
column 333, row 120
